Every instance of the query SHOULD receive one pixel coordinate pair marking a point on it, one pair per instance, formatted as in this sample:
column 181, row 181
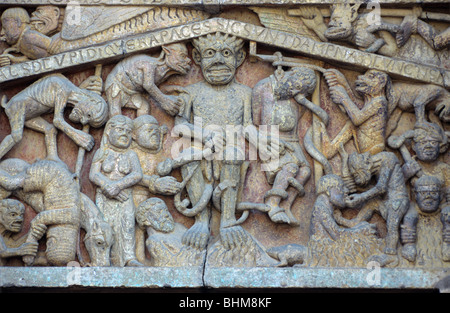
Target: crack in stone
column 206, row 250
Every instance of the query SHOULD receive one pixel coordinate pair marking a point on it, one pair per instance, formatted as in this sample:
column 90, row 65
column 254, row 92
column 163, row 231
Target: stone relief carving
column 115, row 169
column 197, row 152
column 139, row 73
column 52, row 94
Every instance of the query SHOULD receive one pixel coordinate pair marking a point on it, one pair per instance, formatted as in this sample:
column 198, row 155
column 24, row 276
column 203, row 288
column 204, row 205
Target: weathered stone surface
column 175, row 277
column 108, row 277
column 225, row 144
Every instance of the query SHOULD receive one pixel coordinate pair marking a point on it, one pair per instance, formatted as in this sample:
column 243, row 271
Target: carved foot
column 278, row 215
column 407, row 28
column 385, row 259
column 134, row 263
column 197, row 236
column 409, row 252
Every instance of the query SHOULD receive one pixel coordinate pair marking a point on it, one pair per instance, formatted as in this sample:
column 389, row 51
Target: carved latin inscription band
column 285, row 40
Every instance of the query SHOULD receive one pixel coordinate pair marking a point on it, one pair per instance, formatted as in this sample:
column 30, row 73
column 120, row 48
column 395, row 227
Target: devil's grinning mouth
column 360, row 84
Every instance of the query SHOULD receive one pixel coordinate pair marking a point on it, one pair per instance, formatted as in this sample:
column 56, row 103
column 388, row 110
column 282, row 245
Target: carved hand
column 171, row 105
column 354, row 201
column 113, row 191
column 364, row 39
column 167, row 186
column 37, row 229
column 165, row 167
column 93, row 83
column 411, row 168
column 446, row 235
column 84, row 140
column 443, row 110
column 28, row 248
column 366, row 228
column 311, row 16
column 334, row 77
column 395, row 142
column 407, row 235
column 338, row 94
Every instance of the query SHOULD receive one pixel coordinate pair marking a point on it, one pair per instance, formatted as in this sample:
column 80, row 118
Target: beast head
column 47, row 19
column 372, row 83
column 342, row 16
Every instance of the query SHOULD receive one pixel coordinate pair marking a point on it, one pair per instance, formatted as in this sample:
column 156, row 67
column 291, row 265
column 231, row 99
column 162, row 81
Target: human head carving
column 89, row 108
column 12, row 215
column 219, row 55
column 333, row 186
column 298, row 80
column 14, row 21
column 429, row 141
column 147, row 133
column 154, row 213
column 360, row 167
column 428, row 193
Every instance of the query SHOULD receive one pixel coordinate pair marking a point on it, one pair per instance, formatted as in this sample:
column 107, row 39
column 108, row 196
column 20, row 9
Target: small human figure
column 429, row 141
column 115, row 170
column 17, row 32
column 52, row 94
column 279, row 100
column 58, row 207
column 428, row 205
column 391, row 198
column 11, row 222
column 134, row 75
column 164, row 241
column 331, row 243
column 148, row 137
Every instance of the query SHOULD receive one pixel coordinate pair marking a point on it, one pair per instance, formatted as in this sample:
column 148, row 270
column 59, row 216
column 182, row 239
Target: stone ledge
column 188, row 277
column 115, row 277
column 323, row 278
